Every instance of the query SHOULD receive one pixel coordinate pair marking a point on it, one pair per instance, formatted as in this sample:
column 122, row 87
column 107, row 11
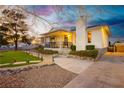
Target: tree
column 27, row 40
column 15, row 27
column 3, row 40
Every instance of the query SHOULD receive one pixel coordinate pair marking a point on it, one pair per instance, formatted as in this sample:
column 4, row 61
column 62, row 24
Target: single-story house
column 81, row 36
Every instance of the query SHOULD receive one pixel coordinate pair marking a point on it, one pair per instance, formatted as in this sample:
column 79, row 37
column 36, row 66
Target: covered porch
column 57, row 44
column 58, row 39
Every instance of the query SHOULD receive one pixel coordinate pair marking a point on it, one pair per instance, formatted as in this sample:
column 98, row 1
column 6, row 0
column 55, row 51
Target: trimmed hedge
column 73, row 48
column 39, row 48
column 48, row 52
column 90, row 47
column 85, row 53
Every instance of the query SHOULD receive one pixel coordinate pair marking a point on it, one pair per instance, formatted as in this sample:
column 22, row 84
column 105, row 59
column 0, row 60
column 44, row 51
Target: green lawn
column 10, row 56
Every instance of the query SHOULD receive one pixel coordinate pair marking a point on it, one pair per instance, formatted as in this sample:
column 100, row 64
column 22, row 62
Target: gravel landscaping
column 51, row 76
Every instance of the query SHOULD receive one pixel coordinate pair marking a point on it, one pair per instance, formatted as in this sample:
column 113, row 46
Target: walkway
column 47, row 59
column 106, row 73
column 74, row 65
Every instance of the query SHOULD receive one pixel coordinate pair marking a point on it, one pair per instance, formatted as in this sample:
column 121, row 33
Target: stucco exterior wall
column 58, row 39
column 61, row 38
column 74, row 38
column 99, row 37
column 105, row 38
column 96, row 38
column 47, row 39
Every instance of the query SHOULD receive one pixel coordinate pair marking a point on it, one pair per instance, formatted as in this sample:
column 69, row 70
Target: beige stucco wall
column 105, row 38
column 47, row 39
column 74, row 38
column 57, row 39
column 96, row 38
column 61, row 38
column 99, row 37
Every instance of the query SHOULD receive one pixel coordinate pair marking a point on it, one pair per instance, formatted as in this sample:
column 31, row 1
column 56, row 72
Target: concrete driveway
column 108, row 72
column 74, row 65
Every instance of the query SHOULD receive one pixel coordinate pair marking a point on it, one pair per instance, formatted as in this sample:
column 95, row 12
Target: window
column 89, row 37
column 52, row 39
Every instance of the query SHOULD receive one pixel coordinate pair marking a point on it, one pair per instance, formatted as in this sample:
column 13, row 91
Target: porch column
column 81, row 33
column 44, row 41
column 60, row 43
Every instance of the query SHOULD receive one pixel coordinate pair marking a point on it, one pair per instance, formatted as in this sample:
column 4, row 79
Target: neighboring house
column 81, row 36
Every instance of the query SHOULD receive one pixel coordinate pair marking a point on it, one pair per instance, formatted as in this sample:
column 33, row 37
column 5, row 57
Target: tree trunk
column 16, row 44
column 16, row 39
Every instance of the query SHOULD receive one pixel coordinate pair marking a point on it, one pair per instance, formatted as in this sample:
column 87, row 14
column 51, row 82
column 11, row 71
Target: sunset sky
column 66, row 16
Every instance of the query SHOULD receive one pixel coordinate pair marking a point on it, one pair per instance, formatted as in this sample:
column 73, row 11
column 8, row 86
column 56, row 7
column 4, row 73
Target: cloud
column 111, row 15
column 43, row 10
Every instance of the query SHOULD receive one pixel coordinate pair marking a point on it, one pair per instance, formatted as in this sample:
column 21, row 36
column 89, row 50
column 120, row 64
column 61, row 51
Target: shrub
column 92, row 53
column 73, row 47
column 51, row 52
column 40, row 48
column 85, row 53
column 90, row 47
column 118, row 42
column 48, row 52
column 73, row 52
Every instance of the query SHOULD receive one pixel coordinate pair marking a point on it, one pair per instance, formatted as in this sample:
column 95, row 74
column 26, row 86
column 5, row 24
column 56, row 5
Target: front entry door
column 65, row 42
